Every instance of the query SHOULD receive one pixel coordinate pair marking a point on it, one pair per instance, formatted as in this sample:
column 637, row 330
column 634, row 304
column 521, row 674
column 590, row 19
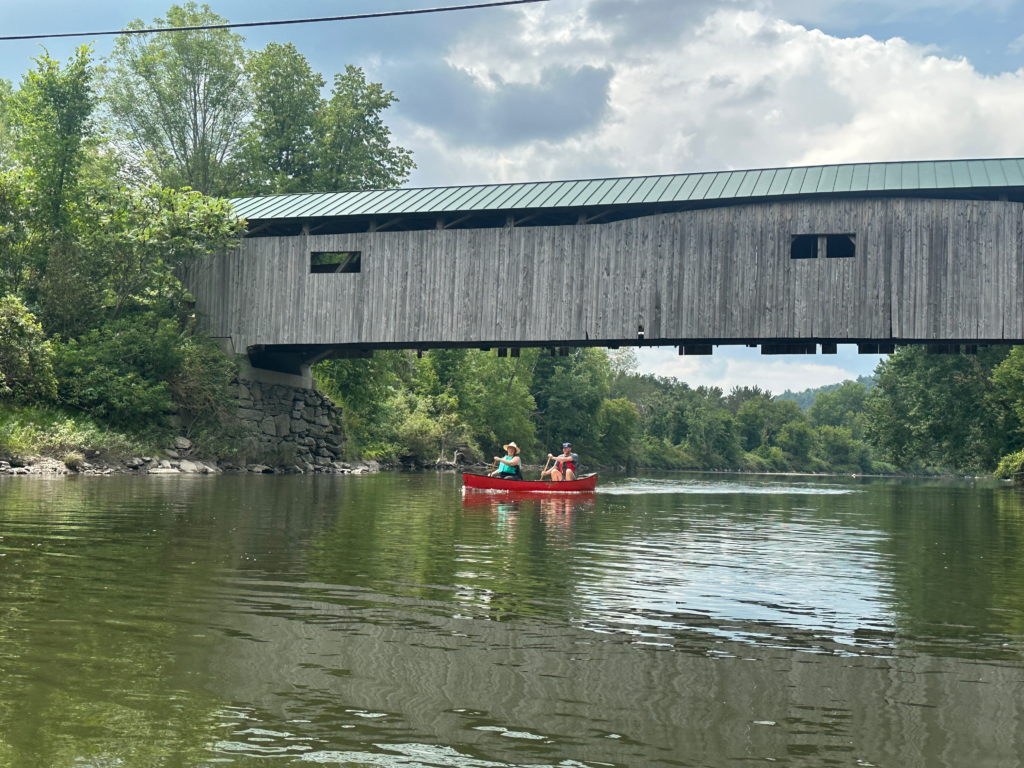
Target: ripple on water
column 639, row 487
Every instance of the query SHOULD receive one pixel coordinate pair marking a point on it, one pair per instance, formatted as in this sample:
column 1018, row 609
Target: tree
column 739, row 395
column 16, row 236
column 52, row 119
column 354, row 149
column 143, row 234
column 568, row 392
column 619, row 423
column 26, row 365
column 278, row 149
column 181, row 99
column 6, row 139
column 941, row 410
column 840, row 406
column 797, row 439
column 761, row 420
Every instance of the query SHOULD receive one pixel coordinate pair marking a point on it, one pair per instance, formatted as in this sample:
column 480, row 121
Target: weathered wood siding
column 924, row 269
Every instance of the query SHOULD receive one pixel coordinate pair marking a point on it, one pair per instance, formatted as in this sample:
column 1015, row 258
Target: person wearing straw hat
column 509, row 467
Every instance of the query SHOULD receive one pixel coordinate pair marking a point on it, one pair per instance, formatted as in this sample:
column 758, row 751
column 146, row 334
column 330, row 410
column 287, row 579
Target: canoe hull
column 485, row 483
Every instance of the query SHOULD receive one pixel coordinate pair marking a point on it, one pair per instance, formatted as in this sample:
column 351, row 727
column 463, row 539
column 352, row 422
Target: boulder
column 164, row 471
column 182, row 443
column 259, row 469
column 243, row 392
column 172, row 454
column 268, row 426
column 190, row 468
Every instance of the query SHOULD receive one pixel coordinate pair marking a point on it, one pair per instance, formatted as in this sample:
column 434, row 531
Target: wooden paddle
column 545, row 467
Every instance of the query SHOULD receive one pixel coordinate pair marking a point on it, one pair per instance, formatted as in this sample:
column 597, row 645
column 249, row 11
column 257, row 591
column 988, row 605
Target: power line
column 352, row 17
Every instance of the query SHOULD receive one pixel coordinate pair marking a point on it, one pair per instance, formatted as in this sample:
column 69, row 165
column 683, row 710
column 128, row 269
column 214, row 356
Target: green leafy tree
column 941, row 410
column 797, row 438
column 119, row 372
column 278, row 151
column 16, row 234
column 354, row 149
column 26, row 364
column 840, row 406
column 180, row 99
column 568, row 392
column 52, row 115
column 739, row 395
column 761, row 421
column 6, row 137
column 501, row 408
column 620, row 428
column 712, row 435
column 144, row 234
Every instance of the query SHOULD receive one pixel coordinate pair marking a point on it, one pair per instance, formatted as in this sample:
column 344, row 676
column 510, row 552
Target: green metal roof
column 917, row 177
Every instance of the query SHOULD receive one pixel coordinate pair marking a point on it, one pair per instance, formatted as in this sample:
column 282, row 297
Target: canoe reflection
column 577, row 502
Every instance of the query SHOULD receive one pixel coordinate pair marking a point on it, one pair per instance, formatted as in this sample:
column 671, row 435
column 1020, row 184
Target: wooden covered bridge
column 788, row 259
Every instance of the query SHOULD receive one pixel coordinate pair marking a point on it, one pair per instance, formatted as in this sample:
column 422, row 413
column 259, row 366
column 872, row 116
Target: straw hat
column 512, row 445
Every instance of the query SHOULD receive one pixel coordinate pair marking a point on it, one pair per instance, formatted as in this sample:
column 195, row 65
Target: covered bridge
column 789, row 259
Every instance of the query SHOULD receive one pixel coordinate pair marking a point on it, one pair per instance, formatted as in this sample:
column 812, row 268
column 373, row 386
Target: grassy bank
column 31, row 431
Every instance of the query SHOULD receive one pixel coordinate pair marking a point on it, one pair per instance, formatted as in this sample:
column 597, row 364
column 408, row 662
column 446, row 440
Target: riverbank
column 163, row 465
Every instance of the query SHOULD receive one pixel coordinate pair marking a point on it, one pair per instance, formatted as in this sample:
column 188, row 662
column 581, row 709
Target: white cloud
column 1017, row 46
column 727, row 88
column 738, row 366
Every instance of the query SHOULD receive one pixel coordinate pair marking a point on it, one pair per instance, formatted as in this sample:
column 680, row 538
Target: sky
column 590, row 88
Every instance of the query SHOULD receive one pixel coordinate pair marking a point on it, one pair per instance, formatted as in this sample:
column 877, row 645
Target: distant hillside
column 805, row 399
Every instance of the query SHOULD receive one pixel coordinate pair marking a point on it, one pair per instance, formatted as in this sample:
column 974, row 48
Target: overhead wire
column 283, row 22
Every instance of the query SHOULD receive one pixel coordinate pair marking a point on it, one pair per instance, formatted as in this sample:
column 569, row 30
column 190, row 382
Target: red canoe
column 487, row 483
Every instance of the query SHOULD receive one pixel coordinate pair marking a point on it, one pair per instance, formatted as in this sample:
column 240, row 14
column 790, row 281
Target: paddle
column 545, row 467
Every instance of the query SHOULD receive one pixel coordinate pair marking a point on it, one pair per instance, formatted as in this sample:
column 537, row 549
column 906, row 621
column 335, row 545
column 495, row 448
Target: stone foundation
column 283, row 416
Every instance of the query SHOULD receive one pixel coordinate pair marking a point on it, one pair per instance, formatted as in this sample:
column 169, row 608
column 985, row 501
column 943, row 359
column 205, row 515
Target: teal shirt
column 506, row 469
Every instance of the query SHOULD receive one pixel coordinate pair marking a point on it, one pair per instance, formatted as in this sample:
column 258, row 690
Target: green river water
column 389, row 620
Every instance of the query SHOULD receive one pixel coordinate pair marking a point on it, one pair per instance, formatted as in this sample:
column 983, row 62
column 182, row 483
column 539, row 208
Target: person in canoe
column 565, row 465
column 509, row 467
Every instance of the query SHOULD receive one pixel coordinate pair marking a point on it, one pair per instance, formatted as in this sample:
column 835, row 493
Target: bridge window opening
column 804, row 247
column 334, row 262
column 840, row 246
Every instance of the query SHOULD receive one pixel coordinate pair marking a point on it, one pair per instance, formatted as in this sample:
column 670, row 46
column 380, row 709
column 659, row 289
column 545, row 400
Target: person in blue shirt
column 509, row 467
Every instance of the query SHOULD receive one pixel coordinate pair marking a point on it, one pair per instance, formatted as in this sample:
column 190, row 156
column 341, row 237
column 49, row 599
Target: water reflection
column 393, row 620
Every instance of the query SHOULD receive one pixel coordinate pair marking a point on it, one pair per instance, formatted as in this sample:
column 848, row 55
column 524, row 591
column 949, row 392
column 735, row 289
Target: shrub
column 1010, row 464
column 74, row 460
column 40, row 430
column 26, row 357
column 118, row 372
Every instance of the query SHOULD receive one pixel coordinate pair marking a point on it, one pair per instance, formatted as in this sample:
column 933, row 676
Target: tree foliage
column 52, row 115
column 181, row 99
column 942, row 410
column 26, row 366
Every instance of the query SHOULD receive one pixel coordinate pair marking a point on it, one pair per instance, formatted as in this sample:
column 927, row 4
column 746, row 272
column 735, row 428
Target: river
column 388, row 620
